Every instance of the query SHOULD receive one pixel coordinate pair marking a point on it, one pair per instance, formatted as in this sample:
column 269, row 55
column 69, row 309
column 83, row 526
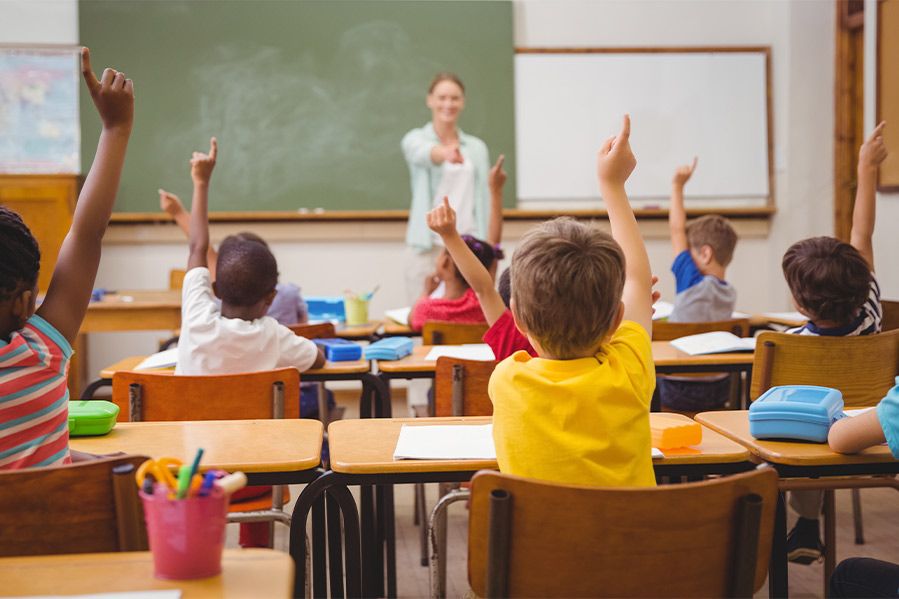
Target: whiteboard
column 682, row 104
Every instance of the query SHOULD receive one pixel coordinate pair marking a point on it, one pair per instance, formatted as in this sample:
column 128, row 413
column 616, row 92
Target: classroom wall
column 327, row 259
column 886, row 243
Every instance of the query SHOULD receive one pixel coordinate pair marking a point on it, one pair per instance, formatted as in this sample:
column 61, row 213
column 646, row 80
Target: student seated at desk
column 579, row 413
column 833, row 284
column 235, row 336
column 702, row 249
column 35, row 345
column 288, row 307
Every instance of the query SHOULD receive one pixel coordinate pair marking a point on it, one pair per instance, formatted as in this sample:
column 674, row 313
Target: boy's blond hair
column 717, row 233
column 567, row 280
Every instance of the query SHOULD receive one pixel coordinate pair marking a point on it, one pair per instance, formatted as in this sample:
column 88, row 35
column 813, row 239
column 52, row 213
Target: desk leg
column 380, row 537
column 319, row 565
column 778, row 584
column 391, row 541
column 369, row 540
column 375, row 397
column 830, row 537
column 335, row 549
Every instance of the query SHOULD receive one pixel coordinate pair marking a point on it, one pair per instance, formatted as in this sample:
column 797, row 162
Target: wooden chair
column 322, row 330
column 533, row 539
column 435, row 332
column 663, row 330
column 862, row 368
column 88, row 507
column 152, row 396
column 890, row 315
column 460, row 389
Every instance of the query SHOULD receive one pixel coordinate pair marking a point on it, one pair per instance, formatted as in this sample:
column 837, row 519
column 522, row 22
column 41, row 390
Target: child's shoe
column 804, row 544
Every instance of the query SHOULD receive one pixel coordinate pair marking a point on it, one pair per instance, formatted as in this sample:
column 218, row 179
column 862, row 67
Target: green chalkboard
column 309, row 99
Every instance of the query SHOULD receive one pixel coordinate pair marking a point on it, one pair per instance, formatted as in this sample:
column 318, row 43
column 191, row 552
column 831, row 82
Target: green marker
column 183, row 481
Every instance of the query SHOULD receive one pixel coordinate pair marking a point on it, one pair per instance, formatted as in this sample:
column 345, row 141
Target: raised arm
column 495, row 181
column 615, row 163
column 201, row 166
column 677, row 216
column 422, row 151
column 171, row 205
column 870, row 155
column 79, row 257
column 442, row 220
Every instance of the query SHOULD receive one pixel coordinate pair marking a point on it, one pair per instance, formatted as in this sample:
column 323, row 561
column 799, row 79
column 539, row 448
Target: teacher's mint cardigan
column 425, row 177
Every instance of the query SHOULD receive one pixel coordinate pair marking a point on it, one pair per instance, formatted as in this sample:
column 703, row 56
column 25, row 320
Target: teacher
column 443, row 161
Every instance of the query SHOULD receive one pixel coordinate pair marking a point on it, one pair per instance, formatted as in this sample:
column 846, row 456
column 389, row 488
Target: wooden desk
column 779, row 318
column 361, row 452
column 392, row 328
column 804, row 460
column 362, row 332
column 144, row 311
column 666, row 357
column 245, row 573
column 253, row 446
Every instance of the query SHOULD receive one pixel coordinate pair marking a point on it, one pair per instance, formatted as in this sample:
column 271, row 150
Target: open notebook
column 468, row 351
column 450, row 442
column 163, row 359
column 399, row 315
column 716, row 342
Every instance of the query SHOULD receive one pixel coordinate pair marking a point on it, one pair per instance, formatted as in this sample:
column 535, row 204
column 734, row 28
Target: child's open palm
column 201, row 165
column 616, row 161
column 442, row 219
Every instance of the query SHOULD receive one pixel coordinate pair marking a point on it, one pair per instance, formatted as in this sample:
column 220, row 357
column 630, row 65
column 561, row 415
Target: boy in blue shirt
column 702, row 250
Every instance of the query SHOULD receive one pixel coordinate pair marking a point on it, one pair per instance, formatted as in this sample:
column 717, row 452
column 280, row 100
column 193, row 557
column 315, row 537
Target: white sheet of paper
column 468, row 351
column 163, row 359
column 399, row 315
column 163, row 594
column 445, row 442
column 451, row 442
column 797, row 316
column 713, row 343
column 662, row 309
column 858, row 411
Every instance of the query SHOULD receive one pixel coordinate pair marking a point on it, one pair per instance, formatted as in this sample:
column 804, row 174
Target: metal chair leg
column 437, row 561
column 857, row 517
column 422, row 520
column 830, row 538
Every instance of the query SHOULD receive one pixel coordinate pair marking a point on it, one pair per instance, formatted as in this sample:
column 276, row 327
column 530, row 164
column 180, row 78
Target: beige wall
column 325, row 259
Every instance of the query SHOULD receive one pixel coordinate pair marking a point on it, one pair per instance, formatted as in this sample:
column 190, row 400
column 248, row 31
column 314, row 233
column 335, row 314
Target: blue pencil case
column 339, row 350
column 392, row 348
column 795, row 412
column 325, row 309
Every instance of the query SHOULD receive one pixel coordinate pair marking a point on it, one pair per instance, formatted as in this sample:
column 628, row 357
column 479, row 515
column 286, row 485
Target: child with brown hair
column 36, row 344
column 579, row 413
column 833, row 284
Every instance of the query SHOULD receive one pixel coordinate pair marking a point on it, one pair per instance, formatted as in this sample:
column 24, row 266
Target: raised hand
column 201, row 165
column 873, row 151
column 616, row 161
column 442, row 219
column 683, row 173
column 170, row 203
column 497, row 176
column 113, row 95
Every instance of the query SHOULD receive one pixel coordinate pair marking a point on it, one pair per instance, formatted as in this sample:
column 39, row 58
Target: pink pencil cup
column 187, row 535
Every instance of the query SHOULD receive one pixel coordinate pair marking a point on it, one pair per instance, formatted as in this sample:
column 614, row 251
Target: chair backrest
column 460, row 387
column 78, row 508
column 685, row 540
column 862, row 368
column 176, row 279
column 436, row 332
column 162, row 396
column 890, row 320
column 662, row 330
column 322, row 330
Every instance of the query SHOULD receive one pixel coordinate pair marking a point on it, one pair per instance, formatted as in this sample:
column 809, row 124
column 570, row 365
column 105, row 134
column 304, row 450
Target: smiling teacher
column 443, row 161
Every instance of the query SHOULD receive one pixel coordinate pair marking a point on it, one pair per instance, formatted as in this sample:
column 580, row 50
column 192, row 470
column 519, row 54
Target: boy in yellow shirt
column 579, row 413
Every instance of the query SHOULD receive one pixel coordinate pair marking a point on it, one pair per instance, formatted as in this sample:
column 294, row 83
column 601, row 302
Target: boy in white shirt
column 238, row 336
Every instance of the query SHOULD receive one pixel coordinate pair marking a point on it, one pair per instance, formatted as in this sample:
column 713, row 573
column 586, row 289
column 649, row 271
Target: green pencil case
column 91, row 417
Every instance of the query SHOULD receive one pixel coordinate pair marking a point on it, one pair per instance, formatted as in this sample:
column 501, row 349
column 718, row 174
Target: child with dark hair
column 459, row 303
column 35, row 344
column 288, row 307
column 236, row 335
column 833, row 284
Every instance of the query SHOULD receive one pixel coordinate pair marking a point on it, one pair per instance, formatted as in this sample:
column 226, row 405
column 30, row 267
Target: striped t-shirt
column 34, row 397
column 867, row 322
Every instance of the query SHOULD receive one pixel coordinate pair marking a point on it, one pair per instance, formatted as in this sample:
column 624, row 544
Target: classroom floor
column 880, row 509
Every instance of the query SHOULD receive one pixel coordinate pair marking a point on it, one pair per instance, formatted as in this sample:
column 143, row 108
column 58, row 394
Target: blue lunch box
column 795, row 412
column 339, row 350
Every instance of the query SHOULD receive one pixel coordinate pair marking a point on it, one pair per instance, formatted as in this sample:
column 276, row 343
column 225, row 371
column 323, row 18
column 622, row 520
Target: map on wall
column 39, row 126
